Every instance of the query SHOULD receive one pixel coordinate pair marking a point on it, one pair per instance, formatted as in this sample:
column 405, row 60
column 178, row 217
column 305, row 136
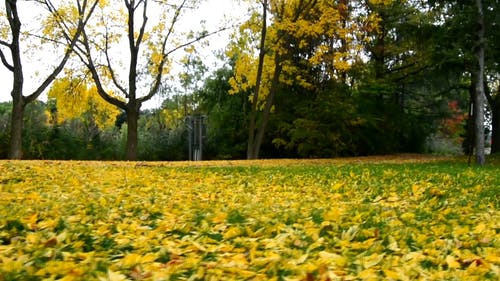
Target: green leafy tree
column 162, row 138
column 470, row 30
column 227, row 117
column 404, row 88
column 350, row 106
column 261, row 70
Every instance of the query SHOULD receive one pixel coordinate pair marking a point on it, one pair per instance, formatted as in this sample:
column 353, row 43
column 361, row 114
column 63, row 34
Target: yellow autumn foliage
column 343, row 33
column 372, row 218
column 75, row 99
column 381, row 2
column 4, row 26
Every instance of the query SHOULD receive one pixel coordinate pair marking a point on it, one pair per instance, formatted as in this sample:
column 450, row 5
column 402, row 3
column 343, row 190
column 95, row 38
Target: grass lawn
column 375, row 218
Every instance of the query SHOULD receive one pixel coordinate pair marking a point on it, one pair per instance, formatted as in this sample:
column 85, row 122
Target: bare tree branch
column 29, row 34
column 6, row 44
column 172, row 24
column 157, row 80
column 110, row 68
column 62, row 24
column 82, row 21
column 5, row 62
column 197, row 39
column 143, row 26
column 88, row 61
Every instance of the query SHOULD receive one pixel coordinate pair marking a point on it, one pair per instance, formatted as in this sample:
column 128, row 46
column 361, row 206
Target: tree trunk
column 132, row 136
column 251, row 137
column 16, row 131
column 267, row 109
column 344, row 14
column 18, row 102
column 480, row 99
column 495, row 116
column 468, row 144
column 479, row 145
column 379, row 53
column 252, row 150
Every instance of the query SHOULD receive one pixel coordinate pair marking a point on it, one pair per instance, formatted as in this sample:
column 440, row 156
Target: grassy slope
column 403, row 218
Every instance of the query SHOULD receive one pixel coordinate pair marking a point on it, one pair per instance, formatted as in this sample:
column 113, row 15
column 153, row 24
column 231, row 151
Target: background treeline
column 362, row 123
column 312, row 79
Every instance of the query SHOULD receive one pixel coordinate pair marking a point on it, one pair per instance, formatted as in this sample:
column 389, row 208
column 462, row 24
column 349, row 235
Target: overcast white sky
column 213, row 11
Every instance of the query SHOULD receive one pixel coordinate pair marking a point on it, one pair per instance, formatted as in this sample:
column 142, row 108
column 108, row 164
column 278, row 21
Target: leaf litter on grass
column 348, row 219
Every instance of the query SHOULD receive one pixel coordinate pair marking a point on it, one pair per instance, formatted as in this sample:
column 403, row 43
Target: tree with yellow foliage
column 327, row 28
column 127, row 53
column 11, row 53
column 261, row 79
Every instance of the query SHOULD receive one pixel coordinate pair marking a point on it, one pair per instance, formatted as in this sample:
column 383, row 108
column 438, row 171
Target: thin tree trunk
column 344, row 13
column 494, row 103
column 479, row 144
column 267, row 109
column 495, row 133
column 469, row 141
column 379, row 54
column 479, row 88
column 251, row 135
column 252, row 150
